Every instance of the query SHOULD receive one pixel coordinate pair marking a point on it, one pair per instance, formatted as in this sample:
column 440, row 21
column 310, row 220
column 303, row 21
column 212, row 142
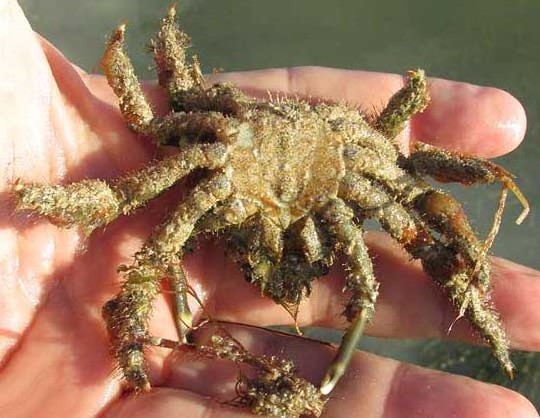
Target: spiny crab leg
column 121, row 77
column 412, row 98
column 169, row 49
column 360, row 281
column 444, row 212
column 127, row 314
column 446, row 166
column 94, row 203
column 440, row 262
column 182, row 77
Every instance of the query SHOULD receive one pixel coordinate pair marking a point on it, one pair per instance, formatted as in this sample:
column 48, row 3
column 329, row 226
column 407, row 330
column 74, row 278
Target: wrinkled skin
column 59, row 123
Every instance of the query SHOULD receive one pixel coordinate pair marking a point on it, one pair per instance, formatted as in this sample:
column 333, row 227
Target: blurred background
column 486, row 42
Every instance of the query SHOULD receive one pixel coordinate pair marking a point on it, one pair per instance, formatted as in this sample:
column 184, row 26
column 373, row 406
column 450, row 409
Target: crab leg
column 127, row 314
column 443, row 265
column 94, row 203
column 184, row 81
column 461, row 266
column 169, row 48
column 121, row 77
column 446, row 166
column 441, row 261
column 412, row 98
column 445, row 214
column 370, row 200
column 360, row 281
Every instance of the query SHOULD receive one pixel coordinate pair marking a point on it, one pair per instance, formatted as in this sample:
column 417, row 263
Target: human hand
column 61, row 124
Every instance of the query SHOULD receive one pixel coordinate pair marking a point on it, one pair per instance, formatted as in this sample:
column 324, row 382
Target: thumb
column 25, row 97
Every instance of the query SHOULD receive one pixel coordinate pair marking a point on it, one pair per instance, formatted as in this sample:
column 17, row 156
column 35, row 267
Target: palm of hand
column 60, row 123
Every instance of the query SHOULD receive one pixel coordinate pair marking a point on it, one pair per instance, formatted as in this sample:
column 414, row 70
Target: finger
column 410, row 305
column 373, row 386
column 167, row 403
column 483, row 121
column 25, row 93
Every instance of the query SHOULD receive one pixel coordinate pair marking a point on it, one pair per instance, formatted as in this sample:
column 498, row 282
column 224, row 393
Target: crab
column 287, row 184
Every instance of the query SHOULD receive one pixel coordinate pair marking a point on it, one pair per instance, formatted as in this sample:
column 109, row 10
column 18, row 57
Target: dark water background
column 486, row 42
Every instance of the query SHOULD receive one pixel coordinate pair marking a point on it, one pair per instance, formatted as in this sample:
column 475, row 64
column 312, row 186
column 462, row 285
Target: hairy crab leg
column 174, row 72
column 412, row 98
column 127, row 314
column 184, row 81
column 452, row 260
column 370, row 200
column 360, row 281
column 463, row 269
column 121, row 77
column 444, row 213
column 440, row 262
column 447, row 166
column 467, row 281
column 94, row 203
